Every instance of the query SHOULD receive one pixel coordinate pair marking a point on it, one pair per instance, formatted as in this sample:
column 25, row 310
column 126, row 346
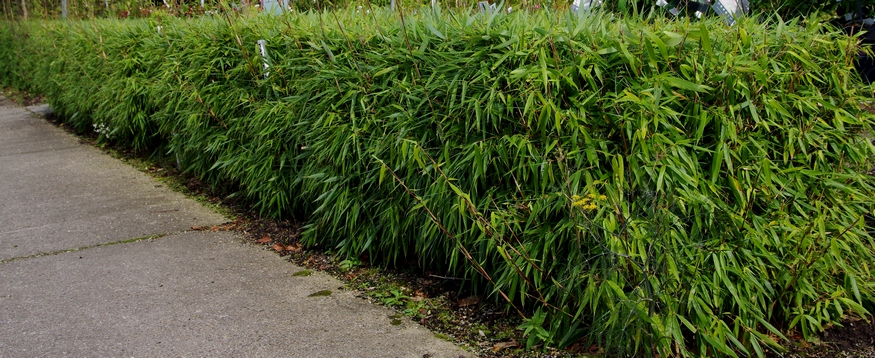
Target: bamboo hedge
column 656, row 187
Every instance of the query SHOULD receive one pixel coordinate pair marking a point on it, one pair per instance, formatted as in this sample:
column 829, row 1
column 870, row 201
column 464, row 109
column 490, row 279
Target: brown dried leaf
column 503, row 345
column 469, row 301
column 228, row 226
column 199, row 228
column 263, row 240
column 278, row 247
column 293, row 248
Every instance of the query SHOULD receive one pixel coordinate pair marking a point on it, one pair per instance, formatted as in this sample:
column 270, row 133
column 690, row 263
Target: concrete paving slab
column 20, row 133
column 57, row 194
column 6, row 102
column 192, row 294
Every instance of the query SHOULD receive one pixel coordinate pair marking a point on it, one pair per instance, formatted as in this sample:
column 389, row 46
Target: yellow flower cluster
column 586, row 203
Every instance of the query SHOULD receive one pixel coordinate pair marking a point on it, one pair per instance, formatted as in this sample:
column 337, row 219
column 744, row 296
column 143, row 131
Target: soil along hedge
column 654, row 186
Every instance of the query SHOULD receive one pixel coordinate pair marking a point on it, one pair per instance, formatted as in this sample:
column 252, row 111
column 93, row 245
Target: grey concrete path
column 98, row 260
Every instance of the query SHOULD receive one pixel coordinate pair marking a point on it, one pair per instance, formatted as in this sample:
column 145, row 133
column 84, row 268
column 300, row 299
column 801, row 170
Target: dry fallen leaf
column 278, row 247
column 502, row 345
column 294, row 248
column 469, row 301
column 263, row 240
column 228, row 226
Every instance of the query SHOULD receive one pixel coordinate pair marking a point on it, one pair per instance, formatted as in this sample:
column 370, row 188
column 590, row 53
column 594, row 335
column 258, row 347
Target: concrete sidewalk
column 98, row 260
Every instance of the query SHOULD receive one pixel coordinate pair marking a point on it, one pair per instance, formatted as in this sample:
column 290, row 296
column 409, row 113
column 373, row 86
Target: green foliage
column 654, row 186
column 533, row 328
column 89, row 9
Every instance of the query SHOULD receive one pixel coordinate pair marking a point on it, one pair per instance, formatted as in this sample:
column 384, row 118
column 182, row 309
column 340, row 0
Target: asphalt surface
column 99, row 260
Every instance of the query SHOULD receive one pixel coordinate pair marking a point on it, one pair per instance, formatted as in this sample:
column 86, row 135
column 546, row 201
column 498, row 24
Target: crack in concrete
column 38, row 151
column 64, row 251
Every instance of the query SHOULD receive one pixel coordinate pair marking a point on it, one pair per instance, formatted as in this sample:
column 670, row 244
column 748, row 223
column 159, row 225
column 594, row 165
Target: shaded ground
column 24, row 99
column 856, row 338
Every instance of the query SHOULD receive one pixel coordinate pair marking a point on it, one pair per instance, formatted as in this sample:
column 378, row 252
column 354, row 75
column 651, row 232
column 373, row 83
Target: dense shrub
column 654, row 186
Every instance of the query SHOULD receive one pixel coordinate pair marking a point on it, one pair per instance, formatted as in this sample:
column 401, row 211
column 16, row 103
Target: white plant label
column 262, row 49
